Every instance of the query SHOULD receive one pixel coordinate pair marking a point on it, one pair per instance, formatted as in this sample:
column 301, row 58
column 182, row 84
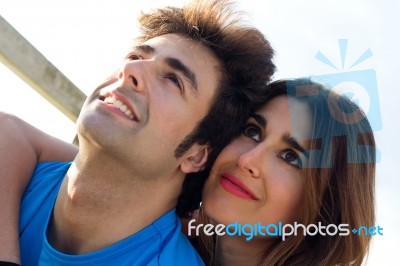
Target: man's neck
column 237, row 251
column 101, row 203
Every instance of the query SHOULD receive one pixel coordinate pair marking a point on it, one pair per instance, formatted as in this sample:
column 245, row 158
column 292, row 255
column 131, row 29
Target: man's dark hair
column 246, row 59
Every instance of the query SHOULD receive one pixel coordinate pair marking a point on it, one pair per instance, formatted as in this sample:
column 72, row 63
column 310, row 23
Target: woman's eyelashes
column 253, row 131
column 288, row 156
column 291, row 157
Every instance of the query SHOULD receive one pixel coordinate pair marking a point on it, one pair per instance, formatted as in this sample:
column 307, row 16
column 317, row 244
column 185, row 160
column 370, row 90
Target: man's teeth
column 118, row 104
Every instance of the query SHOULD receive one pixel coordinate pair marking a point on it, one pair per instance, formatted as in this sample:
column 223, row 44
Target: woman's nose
column 249, row 161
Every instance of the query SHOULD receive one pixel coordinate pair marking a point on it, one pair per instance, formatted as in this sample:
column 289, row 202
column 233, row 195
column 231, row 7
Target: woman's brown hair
column 340, row 181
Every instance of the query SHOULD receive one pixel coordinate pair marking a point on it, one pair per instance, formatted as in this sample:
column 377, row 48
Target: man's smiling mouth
column 112, row 100
column 119, row 105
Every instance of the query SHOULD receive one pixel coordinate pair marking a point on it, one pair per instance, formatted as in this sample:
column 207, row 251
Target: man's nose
column 133, row 75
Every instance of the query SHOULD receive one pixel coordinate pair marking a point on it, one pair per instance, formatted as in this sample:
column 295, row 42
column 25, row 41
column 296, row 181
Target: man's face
column 163, row 89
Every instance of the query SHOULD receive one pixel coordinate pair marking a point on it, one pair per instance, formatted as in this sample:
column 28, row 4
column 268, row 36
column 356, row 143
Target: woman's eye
column 253, row 132
column 291, row 158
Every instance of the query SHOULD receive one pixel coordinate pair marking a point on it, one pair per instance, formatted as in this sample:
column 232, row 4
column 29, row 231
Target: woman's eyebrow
column 292, row 142
column 259, row 119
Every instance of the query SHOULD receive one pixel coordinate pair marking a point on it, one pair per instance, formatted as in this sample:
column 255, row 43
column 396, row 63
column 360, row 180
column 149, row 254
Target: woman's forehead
column 289, row 114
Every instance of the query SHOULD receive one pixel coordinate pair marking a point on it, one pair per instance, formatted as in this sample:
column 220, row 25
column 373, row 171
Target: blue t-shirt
column 160, row 243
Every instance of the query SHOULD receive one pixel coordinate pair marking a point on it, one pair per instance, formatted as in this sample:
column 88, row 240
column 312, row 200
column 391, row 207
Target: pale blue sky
column 87, row 39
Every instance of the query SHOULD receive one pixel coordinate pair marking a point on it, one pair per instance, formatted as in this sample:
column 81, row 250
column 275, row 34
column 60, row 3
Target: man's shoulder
column 176, row 249
column 160, row 243
column 180, row 252
column 36, row 207
column 46, row 179
column 47, row 172
column 51, row 168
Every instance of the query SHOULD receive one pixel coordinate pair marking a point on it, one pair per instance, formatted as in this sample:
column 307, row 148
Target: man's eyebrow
column 181, row 67
column 259, row 119
column 171, row 62
column 145, row 48
column 291, row 141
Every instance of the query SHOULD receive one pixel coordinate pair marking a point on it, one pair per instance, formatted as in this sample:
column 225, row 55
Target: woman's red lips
column 233, row 185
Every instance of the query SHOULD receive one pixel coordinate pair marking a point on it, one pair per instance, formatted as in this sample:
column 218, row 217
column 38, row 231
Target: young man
column 182, row 94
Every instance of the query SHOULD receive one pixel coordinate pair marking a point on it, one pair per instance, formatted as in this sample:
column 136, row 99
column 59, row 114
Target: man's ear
column 195, row 159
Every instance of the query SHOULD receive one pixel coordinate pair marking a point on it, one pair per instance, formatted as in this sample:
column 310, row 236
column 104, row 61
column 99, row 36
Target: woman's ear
column 195, row 159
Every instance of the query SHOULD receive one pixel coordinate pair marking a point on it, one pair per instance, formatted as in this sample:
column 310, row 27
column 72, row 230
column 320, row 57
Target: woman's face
column 257, row 177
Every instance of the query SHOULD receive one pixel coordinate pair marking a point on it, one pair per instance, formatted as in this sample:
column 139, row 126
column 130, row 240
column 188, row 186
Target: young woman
column 306, row 157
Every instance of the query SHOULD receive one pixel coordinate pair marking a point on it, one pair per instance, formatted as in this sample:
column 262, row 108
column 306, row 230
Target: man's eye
column 253, row 132
column 134, row 56
column 175, row 80
column 291, row 158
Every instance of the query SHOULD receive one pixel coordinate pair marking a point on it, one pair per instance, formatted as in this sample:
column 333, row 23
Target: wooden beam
column 32, row 67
